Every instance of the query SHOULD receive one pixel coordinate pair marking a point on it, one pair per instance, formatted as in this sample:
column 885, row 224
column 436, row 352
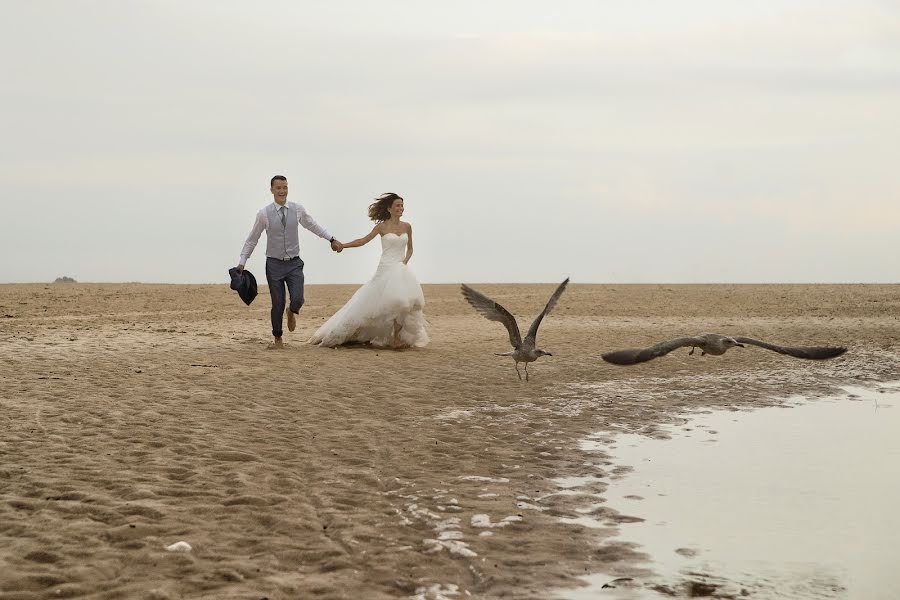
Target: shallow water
column 799, row 503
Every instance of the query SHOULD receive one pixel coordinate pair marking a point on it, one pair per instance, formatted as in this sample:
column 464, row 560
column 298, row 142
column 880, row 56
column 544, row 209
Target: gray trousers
column 281, row 273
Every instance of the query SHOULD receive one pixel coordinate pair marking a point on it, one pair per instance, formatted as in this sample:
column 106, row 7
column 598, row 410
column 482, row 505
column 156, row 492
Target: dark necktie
column 283, row 211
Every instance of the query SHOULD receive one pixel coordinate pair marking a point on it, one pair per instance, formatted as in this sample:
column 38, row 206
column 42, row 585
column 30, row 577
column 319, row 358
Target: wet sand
column 136, row 416
column 737, row 504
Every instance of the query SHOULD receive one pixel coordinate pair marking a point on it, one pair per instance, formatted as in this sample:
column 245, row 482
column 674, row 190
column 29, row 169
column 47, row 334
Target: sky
column 611, row 141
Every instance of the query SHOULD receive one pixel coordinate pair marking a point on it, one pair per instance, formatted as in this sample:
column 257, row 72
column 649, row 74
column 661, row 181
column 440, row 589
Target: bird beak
column 741, row 345
column 548, row 354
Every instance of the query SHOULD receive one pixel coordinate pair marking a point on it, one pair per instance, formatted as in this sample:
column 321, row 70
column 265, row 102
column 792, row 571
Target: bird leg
column 692, row 350
column 517, row 370
column 526, row 371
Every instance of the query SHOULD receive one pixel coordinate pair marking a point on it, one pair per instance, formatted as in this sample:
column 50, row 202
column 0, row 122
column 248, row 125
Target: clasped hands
column 337, row 246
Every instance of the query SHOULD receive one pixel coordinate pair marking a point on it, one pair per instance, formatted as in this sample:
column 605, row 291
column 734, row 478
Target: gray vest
column 282, row 241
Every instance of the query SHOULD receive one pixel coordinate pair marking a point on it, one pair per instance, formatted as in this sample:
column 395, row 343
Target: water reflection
column 800, row 502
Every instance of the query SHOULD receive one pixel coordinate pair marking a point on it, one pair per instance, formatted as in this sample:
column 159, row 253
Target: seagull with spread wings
column 716, row 344
column 524, row 351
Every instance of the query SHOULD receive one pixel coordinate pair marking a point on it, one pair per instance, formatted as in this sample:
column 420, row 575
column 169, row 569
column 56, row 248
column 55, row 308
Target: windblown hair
column 378, row 210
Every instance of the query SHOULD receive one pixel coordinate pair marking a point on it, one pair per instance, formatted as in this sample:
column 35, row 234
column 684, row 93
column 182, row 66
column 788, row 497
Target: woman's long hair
column 378, row 210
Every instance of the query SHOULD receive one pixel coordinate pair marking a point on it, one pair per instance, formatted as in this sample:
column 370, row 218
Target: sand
column 136, row 416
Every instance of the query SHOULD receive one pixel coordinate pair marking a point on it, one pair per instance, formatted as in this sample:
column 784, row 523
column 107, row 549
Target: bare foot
column 276, row 345
column 396, row 343
column 291, row 318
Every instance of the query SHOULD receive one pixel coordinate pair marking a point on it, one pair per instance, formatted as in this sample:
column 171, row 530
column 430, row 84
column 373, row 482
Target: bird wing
column 531, row 336
column 638, row 355
column 493, row 311
column 810, row 352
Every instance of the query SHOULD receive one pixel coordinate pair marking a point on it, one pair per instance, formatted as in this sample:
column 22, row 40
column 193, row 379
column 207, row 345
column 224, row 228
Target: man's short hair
column 277, row 178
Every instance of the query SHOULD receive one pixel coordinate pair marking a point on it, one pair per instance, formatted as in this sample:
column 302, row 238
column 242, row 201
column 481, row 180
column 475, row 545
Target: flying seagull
column 523, row 351
column 716, row 344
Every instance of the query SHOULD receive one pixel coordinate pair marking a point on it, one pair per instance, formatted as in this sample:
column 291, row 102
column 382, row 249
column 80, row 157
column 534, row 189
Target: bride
column 386, row 310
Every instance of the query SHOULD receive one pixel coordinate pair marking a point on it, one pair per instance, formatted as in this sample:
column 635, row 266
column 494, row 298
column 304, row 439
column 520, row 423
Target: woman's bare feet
column 397, row 343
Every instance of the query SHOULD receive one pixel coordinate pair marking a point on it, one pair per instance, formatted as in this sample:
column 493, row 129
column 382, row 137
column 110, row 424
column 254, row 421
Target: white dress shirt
column 262, row 223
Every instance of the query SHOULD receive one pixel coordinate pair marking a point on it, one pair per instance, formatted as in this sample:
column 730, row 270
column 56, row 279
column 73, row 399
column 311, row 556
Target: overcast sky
column 610, row 141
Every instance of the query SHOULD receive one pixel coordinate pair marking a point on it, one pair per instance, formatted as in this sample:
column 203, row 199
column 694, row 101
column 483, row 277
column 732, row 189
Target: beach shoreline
column 139, row 415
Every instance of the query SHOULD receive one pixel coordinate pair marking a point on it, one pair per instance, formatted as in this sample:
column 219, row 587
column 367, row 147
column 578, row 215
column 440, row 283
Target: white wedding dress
column 393, row 295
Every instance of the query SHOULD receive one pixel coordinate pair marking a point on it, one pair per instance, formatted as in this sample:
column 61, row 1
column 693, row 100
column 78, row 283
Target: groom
column 283, row 264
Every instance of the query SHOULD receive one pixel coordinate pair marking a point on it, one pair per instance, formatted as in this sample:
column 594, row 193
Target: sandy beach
column 135, row 416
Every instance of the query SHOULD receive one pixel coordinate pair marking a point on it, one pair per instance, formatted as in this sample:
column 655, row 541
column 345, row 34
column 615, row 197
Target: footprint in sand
column 246, row 501
column 42, row 557
column 234, row 455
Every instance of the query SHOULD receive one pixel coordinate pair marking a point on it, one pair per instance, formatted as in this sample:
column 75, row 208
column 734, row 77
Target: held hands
column 337, row 246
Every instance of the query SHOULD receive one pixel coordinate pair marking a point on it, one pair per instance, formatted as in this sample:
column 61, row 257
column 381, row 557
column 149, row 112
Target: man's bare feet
column 291, row 319
column 276, row 345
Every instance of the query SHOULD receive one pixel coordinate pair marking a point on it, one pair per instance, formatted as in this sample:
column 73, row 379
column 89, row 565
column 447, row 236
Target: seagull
column 716, row 344
column 523, row 351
